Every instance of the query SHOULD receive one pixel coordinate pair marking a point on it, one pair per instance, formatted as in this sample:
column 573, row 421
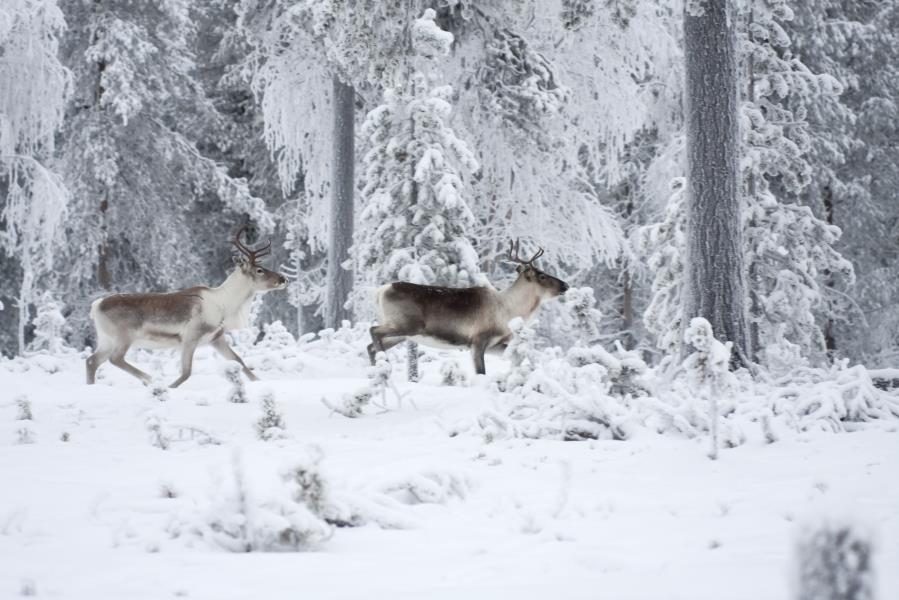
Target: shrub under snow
column 241, row 517
column 589, row 392
column 834, row 563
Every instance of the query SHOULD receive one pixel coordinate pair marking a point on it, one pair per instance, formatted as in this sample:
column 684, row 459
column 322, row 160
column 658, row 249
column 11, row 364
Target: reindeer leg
column 379, row 335
column 118, row 359
column 94, row 361
column 221, row 346
column 187, row 360
column 478, row 347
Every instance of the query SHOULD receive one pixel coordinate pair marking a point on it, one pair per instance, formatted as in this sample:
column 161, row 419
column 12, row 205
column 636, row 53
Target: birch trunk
column 715, row 287
column 339, row 279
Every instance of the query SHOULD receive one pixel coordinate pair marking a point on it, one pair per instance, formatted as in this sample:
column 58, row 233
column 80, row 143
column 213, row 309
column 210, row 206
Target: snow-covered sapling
column 307, row 484
column 24, row 435
column 708, row 370
column 452, row 373
column 238, row 391
column 270, row 425
column 159, row 391
column 583, row 315
column 157, row 436
column 379, row 381
column 834, row 563
column 49, row 326
column 23, row 404
column 519, row 353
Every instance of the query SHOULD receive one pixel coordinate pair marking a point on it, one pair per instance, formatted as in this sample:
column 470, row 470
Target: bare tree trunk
column 412, row 361
column 627, row 289
column 830, row 339
column 340, row 280
column 715, row 275
column 103, row 275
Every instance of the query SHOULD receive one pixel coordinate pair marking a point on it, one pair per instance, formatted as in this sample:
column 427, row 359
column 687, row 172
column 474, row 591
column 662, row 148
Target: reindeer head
column 262, row 280
column 548, row 286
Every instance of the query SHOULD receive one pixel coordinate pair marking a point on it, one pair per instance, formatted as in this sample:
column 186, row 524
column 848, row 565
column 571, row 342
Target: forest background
column 375, row 141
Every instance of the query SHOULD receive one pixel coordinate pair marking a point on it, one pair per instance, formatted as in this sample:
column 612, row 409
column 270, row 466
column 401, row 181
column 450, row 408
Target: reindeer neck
column 234, row 292
column 521, row 299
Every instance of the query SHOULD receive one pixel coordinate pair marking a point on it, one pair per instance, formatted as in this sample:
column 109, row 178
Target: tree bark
column 830, row 339
column 339, row 279
column 714, row 286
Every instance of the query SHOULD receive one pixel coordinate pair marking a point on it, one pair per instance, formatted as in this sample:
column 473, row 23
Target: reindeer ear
column 239, row 260
column 520, row 268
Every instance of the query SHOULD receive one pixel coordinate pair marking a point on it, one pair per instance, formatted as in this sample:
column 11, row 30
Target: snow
column 441, row 513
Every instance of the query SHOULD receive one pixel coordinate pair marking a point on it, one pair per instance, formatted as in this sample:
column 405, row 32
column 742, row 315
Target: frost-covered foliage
column 238, row 391
column 832, row 399
column 415, row 221
column 49, row 326
column 834, row 561
column 709, row 363
column 707, row 371
column 270, row 425
column 855, row 173
column 452, row 373
column 539, row 107
column 242, row 517
column 304, row 268
column 581, row 318
column 661, row 245
column 560, row 396
column 790, row 251
column 375, row 391
column 33, row 197
column 156, row 431
column 589, row 392
column 520, row 353
column 23, row 406
column 24, row 435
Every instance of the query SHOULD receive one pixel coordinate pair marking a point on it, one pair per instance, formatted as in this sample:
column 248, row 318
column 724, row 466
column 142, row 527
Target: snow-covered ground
column 94, row 508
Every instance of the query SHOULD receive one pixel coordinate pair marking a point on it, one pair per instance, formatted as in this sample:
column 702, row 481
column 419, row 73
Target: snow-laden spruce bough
column 186, row 318
column 475, row 317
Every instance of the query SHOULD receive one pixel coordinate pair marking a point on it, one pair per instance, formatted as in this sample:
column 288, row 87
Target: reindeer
column 476, row 317
column 186, row 319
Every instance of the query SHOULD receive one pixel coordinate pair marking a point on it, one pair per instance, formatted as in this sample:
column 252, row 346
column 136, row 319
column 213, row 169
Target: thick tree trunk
column 340, row 280
column 715, row 286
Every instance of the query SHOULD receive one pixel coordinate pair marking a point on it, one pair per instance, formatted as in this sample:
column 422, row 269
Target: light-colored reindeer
column 186, row 319
column 476, row 317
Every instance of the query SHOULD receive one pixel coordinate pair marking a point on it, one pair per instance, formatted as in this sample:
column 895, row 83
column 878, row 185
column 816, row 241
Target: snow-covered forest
column 705, row 405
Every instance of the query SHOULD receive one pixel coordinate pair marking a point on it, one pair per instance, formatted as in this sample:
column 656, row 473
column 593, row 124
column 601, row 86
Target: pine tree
column 415, row 221
column 789, row 250
column 854, row 159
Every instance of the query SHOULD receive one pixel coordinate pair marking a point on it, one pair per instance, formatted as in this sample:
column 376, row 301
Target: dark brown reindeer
column 186, row 319
column 475, row 317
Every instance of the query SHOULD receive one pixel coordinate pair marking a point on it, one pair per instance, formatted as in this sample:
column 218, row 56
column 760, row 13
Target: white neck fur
column 234, row 297
column 521, row 299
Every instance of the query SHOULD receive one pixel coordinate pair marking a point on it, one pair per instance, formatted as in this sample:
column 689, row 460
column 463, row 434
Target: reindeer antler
column 513, row 256
column 252, row 255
